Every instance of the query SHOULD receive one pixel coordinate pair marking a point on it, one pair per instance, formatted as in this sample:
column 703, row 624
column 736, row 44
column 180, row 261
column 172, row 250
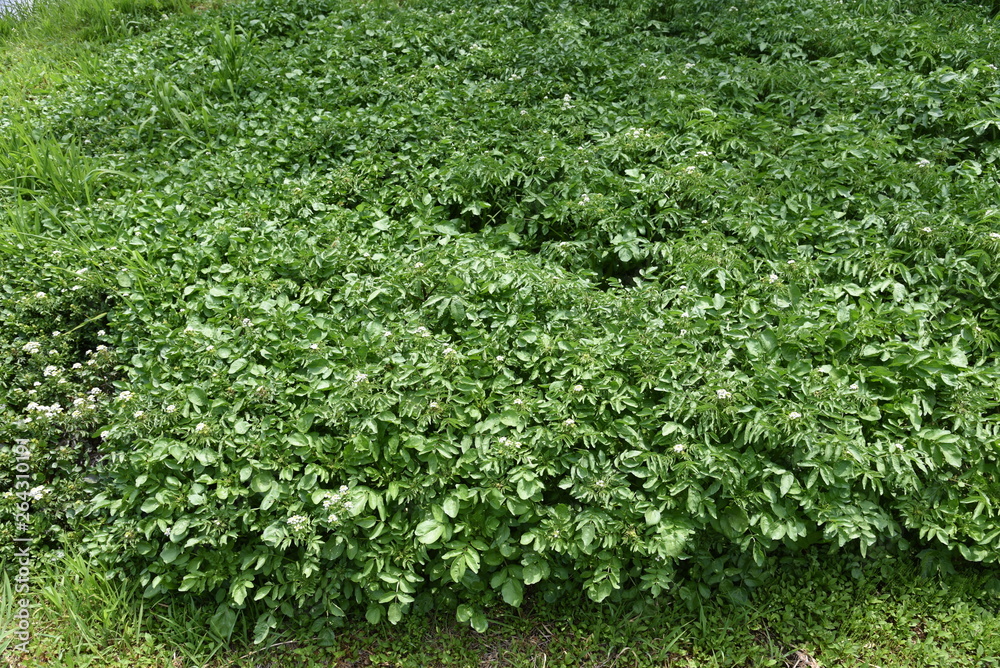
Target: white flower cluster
column 923, row 162
column 994, row 235
column 723, row 394
column 37, row 493
column 125, row 395
column 360, row 378
column 298, row 523
column 510, row 442
column 794, row 415
column 679, row 448
column 422, row 331
column 31, row 347
column 51, row 370
column 335, row 502
column 48, row 411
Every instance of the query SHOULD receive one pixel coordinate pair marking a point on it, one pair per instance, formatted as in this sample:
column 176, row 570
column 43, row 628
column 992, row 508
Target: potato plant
column 442, row 304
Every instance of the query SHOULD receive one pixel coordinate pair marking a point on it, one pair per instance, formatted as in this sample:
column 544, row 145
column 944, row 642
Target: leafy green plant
column 448, row 307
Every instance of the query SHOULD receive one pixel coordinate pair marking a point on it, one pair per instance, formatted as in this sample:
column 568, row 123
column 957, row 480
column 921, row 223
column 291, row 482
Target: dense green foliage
column 426, row 304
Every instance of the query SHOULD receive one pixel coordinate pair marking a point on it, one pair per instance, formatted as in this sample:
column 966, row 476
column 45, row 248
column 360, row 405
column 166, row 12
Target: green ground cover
column 317, row 312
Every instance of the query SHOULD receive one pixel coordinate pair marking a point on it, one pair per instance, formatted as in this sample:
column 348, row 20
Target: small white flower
column 578, row 388
column 105, row 435
column 360, row 378
column 688, row 66
column 331, row 518
column 518, row 402
column 723, row 394
column 926, row 229
column 854, row 386
column 170, row 409
column 101, row 332
column 209, row 348
column 56, row 333
column 387, row 334
column 680, row 447
column 923, row 162
column 101, row 348
column 247, row 322
column 77, row 365
column 40, row 295
column 569, row 422
column 898, row 446
column 314, row 346
column 795, row 415
column 791, row 262
column 31, row 347
column 434, row 406
column 500, row 358
column 125, row 395
column 418, row 265
column 773, row 278
column 200, row 427
column 138, row 414
column 94, row 390
column 450, row 351
column 601, row 484
column 994, row 235
column 690, row 169
column 51, row 371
